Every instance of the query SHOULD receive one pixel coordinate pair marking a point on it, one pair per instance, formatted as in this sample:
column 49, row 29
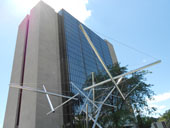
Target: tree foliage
column 135, row 103
column 145, row 122
column 166, row 117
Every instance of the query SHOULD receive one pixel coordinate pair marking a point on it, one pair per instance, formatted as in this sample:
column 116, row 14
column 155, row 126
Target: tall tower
column 51, row 51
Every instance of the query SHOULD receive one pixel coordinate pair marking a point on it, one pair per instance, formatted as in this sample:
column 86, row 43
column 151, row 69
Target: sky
column 138, row 29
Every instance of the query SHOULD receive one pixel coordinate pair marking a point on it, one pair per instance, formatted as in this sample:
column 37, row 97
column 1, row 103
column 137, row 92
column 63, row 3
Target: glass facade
column 80, row 56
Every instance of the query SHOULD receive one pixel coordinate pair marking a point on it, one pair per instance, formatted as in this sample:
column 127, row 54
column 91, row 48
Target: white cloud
column 75, row 7
column 159, row 104
column 158, row 107
column 162, row 107
column 160, row 97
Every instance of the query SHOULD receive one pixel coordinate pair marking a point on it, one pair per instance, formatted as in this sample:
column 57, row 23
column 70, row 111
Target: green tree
column 136, row 101
column 145, row 122
column 166, row 117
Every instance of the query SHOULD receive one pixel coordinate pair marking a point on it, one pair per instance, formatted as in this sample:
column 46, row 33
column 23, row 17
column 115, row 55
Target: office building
column 50, row 50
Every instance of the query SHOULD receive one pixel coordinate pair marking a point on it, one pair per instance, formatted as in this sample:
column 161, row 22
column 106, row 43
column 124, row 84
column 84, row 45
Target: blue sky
column 141, row 24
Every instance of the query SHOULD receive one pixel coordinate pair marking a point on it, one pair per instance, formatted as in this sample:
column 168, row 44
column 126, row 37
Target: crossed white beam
column 109, row 74
column 89, row 100
column 122, row 75
column 47, row 95
column 100, row 59
column 40, row 91
column 105, row 67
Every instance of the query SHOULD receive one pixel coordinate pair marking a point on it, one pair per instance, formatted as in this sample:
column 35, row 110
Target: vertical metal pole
column 87, row 120
column 93, row 91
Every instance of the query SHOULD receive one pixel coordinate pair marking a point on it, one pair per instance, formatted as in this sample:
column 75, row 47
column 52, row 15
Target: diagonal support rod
column 109, row 105
column 122, row 75
column 83, row 94
column 63, row 103
column 40, row 91
column 81, row 109
column 93, row 119
column 100, row 59
column 102, row 103
column 132, row 90
column 100, row 107
column 48, row 98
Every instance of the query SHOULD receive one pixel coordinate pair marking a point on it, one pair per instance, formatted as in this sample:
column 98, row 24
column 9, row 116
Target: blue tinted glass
column 81, row 58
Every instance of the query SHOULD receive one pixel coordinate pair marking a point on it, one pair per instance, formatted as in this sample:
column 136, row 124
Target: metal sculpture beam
column 40, row 91
column 119, row 77
column 82, row 93
column 100, row 59
column 132, row 90
column 93, row 119
column 103, row 102
column 49, row 101
column 122, row 75
column 85, row 102
column 63, row 104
